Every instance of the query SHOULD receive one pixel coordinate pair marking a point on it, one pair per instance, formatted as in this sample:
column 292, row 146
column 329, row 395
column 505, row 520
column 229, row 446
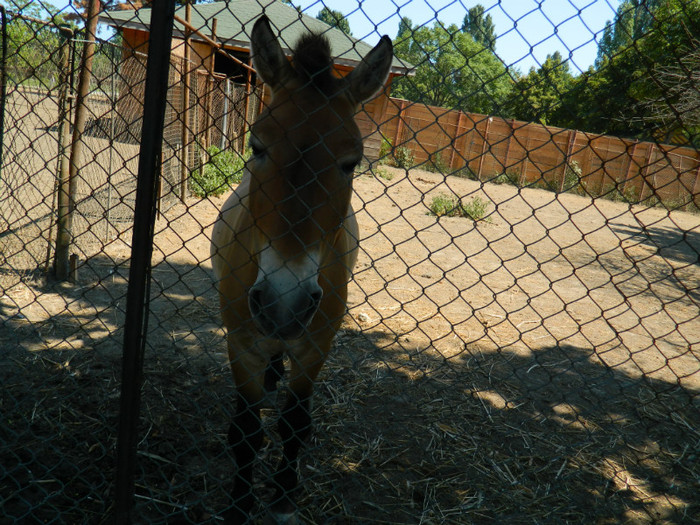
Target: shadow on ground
column 402, row 433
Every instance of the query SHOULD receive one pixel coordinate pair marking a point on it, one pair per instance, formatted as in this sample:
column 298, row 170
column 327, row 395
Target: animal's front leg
column 294, row 428
column 245, row 435
column 273, row 374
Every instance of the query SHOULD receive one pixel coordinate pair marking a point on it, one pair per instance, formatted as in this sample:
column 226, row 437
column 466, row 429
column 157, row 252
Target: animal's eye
column 256, row 149
column 349, row 166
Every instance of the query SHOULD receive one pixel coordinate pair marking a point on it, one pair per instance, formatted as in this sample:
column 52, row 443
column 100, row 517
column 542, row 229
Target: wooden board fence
column 536, row 154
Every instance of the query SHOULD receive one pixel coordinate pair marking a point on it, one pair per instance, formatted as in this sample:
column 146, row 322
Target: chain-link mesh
column 522, row 336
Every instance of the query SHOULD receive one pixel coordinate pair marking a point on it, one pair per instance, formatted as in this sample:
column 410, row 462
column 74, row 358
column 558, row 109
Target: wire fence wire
column 522, row 341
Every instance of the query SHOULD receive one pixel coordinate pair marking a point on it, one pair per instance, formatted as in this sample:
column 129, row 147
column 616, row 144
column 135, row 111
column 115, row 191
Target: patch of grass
column 572, row 179
column 446, row 206
column 223, row 169
column 436, row 164
column 466, row 173
column 403, row 157
column 385, row 151
column 383, row 173
column 544, row 184
column 509, row 177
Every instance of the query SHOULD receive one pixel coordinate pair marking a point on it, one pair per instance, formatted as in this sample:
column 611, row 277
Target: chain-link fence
column 522, row 339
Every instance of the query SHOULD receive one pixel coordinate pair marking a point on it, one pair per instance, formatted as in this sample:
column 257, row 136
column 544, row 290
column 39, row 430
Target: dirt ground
column 539, row 366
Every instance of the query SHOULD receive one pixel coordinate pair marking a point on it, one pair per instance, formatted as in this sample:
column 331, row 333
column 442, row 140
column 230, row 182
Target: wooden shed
column 219, row 47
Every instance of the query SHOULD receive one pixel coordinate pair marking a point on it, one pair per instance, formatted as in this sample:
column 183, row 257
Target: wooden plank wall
column 489, row 146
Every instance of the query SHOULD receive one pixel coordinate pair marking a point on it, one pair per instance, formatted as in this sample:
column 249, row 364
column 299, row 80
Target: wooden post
column 628, row 170
column 67, row 188
column 209, row 95
column 695, row 196
column 645, row 171
column 246, row 116
column 483, row 147
column 523, row 166
column 569, row 148
column 458, row 135
column 379, row 117
column 63, row 175
column 186, row 111
column 506, row 160
column 399, row 123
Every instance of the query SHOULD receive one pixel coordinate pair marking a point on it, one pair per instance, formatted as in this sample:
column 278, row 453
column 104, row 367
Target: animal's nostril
column 313, row 300
column 255, row 301
column 315, row 297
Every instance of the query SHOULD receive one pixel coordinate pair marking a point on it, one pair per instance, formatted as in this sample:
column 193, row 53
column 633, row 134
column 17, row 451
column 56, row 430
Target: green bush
column 385, row 151
column 444, row 205
column 224, row 169
column 383, row 173
column 436, row 164
column 466, row 173
column 509, row 177
column 404, row 158
column 572, row 179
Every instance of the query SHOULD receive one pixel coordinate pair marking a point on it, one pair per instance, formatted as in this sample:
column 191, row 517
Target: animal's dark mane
column 312, row 60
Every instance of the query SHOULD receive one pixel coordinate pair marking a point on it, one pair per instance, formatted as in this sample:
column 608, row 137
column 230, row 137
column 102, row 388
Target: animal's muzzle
column 283, row 315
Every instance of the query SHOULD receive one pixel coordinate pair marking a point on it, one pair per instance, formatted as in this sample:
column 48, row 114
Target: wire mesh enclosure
column 520, row 341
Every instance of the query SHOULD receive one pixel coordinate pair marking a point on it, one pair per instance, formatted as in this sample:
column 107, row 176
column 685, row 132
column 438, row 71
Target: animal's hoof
column 282, row 518
column 235, row 517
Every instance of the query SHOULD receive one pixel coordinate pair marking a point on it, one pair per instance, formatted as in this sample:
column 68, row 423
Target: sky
column 527, row 30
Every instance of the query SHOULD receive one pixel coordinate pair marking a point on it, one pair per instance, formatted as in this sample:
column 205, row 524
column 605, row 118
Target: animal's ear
column 268, row 58
column 368, row 78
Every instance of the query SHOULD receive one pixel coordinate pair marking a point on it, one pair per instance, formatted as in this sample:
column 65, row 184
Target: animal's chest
column 267, row 348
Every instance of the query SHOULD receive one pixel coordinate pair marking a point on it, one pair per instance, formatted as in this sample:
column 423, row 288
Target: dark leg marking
column 245, row 435
column 294, row 427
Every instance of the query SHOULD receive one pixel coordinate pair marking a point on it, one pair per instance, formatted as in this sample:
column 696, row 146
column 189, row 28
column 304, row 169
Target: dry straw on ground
column 485, row 373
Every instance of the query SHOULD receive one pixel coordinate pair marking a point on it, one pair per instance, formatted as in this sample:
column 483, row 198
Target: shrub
column 475, row 209
column 572, row 179
column 444, row 205
column 223, row 169
column 509, row 177
column 466, row 173
column 436, row 164
column 383, row 173
column 404, row 158
column 385, row 151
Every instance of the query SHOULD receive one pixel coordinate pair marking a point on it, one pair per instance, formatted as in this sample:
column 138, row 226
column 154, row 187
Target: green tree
column 480, row 27
column 31, row 45
column 405, row 28
column 291, row 4
column 537, row 97
column 629, row 88
column 334, row 19
column 633, row 19
column 452, row 70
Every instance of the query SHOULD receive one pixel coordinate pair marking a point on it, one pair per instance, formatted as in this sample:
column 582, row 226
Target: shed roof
column 235, row 19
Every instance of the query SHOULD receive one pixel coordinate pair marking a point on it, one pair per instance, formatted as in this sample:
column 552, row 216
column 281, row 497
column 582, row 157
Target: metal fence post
column 135, row 326
column 3, row 79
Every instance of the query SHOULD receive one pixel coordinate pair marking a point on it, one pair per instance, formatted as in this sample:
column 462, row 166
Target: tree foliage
column 631, row 84
column 334, row 19
column 633, row 19
column 480, row 26
column 452, row 69
column 32, row 46
column 538, row 95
